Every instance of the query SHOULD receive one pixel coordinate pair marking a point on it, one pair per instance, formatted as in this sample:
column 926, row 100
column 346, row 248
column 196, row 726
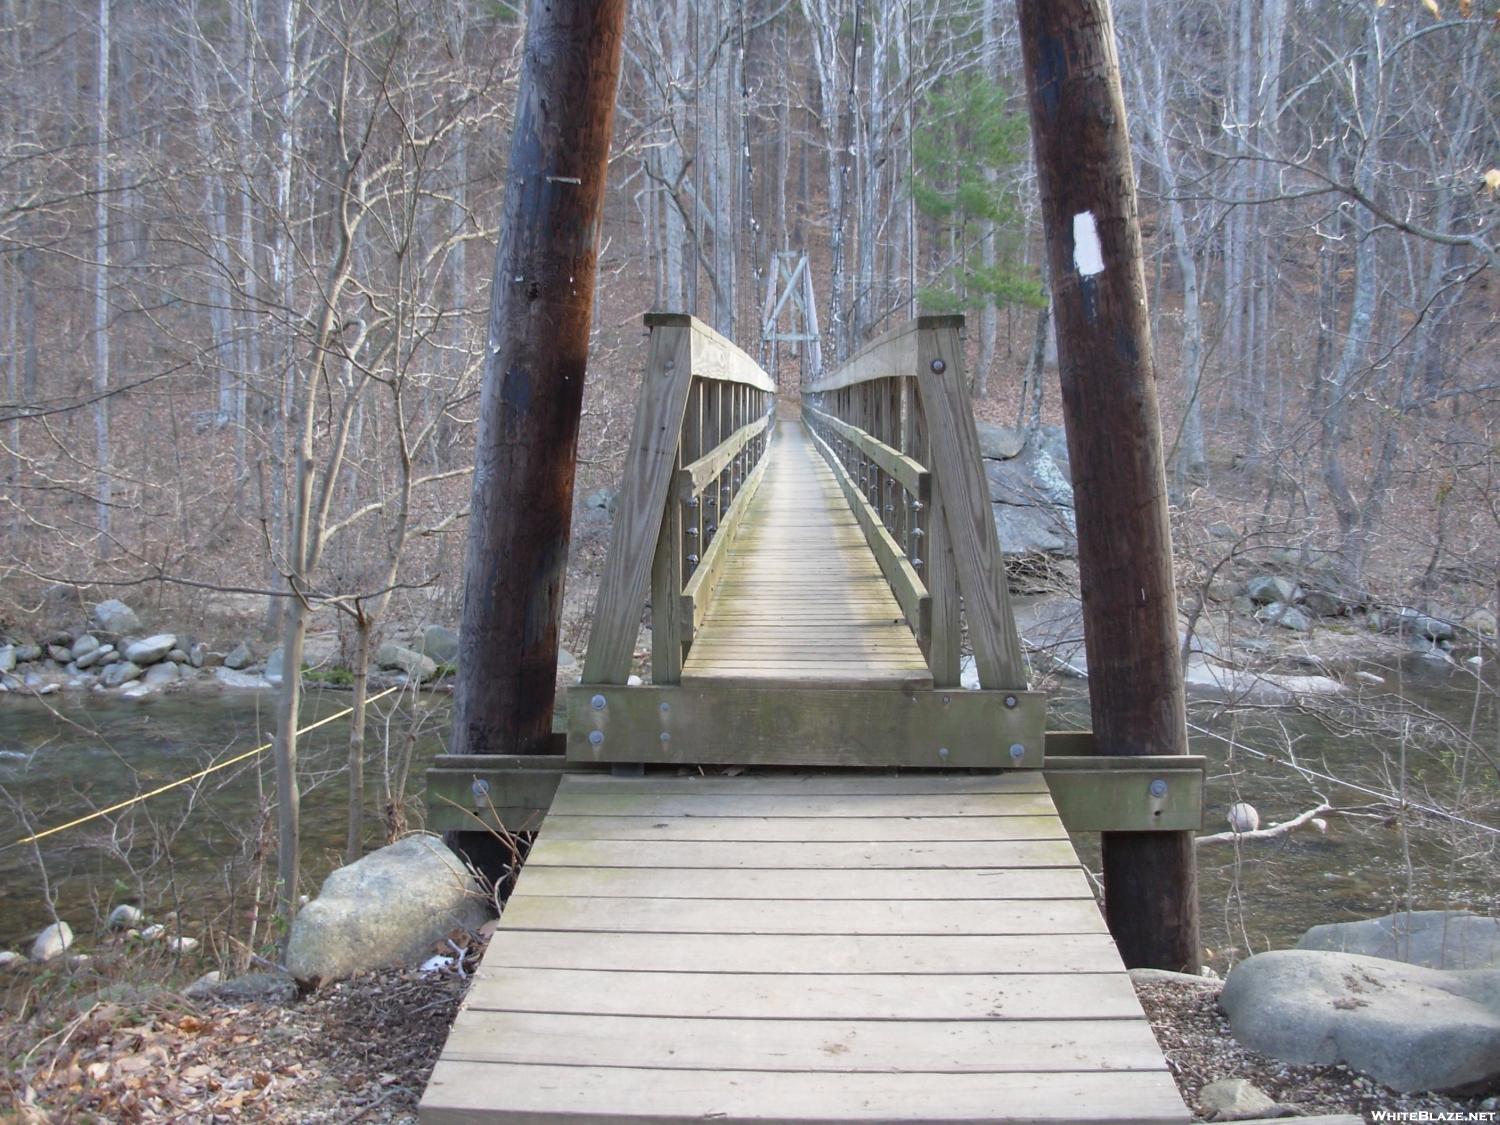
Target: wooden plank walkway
column 794, row 948
column 802, row 601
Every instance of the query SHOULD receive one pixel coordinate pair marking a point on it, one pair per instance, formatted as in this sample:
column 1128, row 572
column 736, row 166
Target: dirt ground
column 362, row 1050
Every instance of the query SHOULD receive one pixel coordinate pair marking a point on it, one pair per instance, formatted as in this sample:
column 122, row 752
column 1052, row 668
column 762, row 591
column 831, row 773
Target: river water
column 184, row 850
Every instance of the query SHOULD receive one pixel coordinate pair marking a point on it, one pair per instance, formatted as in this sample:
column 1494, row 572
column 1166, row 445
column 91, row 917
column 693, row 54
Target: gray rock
column 85, row 644
column 160, row 675
column 273, row 669
column 1287, row 616
column 1409, row 1027
column 52, row 942
column 120, row 673
column 1323, row 603
column 1031, row 480
column 602, row 500
column 25, row 654
column 10, row 959
column 150, row 649
column 1222, row 531
column 398, row 658
column 197, row 654
column 7, row 658
column 178, row 656
column 1436, row 939
column 60, row 653
column 232, row 678
column 999, row 442
column 124, row 917
column 204, row 987
column 1415, row 623
column 440, row 643
column 114, row 616
column 238, row 657
column 1265, row 589
column 389, row 908
column 1236, row 1099
column 1036, row 531
column 256, row 988
column 107, row 655
column 138, row 689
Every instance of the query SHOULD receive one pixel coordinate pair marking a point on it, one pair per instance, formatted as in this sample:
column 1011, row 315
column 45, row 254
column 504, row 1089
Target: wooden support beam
column 1082, row 146
column 643, row 494
column 541, row 313
column 965, row 510
column 710, row 725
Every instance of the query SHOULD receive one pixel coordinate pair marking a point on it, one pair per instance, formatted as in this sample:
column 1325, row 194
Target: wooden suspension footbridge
column 804, row 875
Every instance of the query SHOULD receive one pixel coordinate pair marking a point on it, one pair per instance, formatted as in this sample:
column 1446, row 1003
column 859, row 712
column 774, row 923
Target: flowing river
column 188, row 849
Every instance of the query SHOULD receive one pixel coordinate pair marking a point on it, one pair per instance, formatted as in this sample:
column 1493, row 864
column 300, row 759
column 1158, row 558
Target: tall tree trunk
column 1114, row 438
column 101, row 293
column 540, row 313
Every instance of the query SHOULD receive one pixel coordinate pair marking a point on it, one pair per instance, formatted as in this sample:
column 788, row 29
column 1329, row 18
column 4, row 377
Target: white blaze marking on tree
column 1088, row 255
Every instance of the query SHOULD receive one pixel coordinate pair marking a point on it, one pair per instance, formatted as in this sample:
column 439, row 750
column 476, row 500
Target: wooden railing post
column 942, row 645
column 963, row 504
column 642, row 499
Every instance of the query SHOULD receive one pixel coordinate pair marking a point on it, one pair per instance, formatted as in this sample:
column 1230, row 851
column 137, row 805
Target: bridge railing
column 897, row 428
column 697, row 455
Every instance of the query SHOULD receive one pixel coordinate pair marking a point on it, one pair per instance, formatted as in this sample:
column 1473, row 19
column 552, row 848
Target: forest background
column 245, row 249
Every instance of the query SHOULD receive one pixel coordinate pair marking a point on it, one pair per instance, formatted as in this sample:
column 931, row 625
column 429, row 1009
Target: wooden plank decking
column 789, row 948
column 802, row 601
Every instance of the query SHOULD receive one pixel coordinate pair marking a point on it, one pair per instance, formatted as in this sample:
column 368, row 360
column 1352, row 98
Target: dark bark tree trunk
column 540, row 315
column 1114, row 437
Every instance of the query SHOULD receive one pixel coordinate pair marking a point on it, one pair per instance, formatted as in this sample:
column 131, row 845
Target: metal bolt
column 917, row 562
column 1011, row 701
column 666, row 736
column 693, row 503
column 596, row 737
column 480, row 788
column 693, row 560
column 943, row 752
column 917, row 505
column 938, row 366
column 1017, row 751
column 597, row 703
column 918, row 532
column 665, row 708
column 692, row 533
column 1159, row 788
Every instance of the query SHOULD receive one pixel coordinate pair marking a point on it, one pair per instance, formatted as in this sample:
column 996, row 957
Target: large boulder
column 1264, row 589
column 114, row 616
column 1409, row 1027
column 1000, row 443
column 1437, row 939
column 232, row 678
column 52, row 942
column 160, row 675
column 440, row 643
column 386, row 909
column 238, row 657
column 1287, row 616
column 7, row 658
column 1033, row 504
column 84, row 646
column 120, row 673
column 150, row 650
column 398, row 658
column 273, row 669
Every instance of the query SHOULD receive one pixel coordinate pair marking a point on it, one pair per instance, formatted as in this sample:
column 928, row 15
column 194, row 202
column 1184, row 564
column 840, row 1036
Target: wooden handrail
column 896, row 426
column 697, row 454
column 893, row 354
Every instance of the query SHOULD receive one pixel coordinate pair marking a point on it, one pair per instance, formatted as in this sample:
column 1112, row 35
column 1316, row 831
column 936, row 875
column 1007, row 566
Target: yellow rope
column 194, row 777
